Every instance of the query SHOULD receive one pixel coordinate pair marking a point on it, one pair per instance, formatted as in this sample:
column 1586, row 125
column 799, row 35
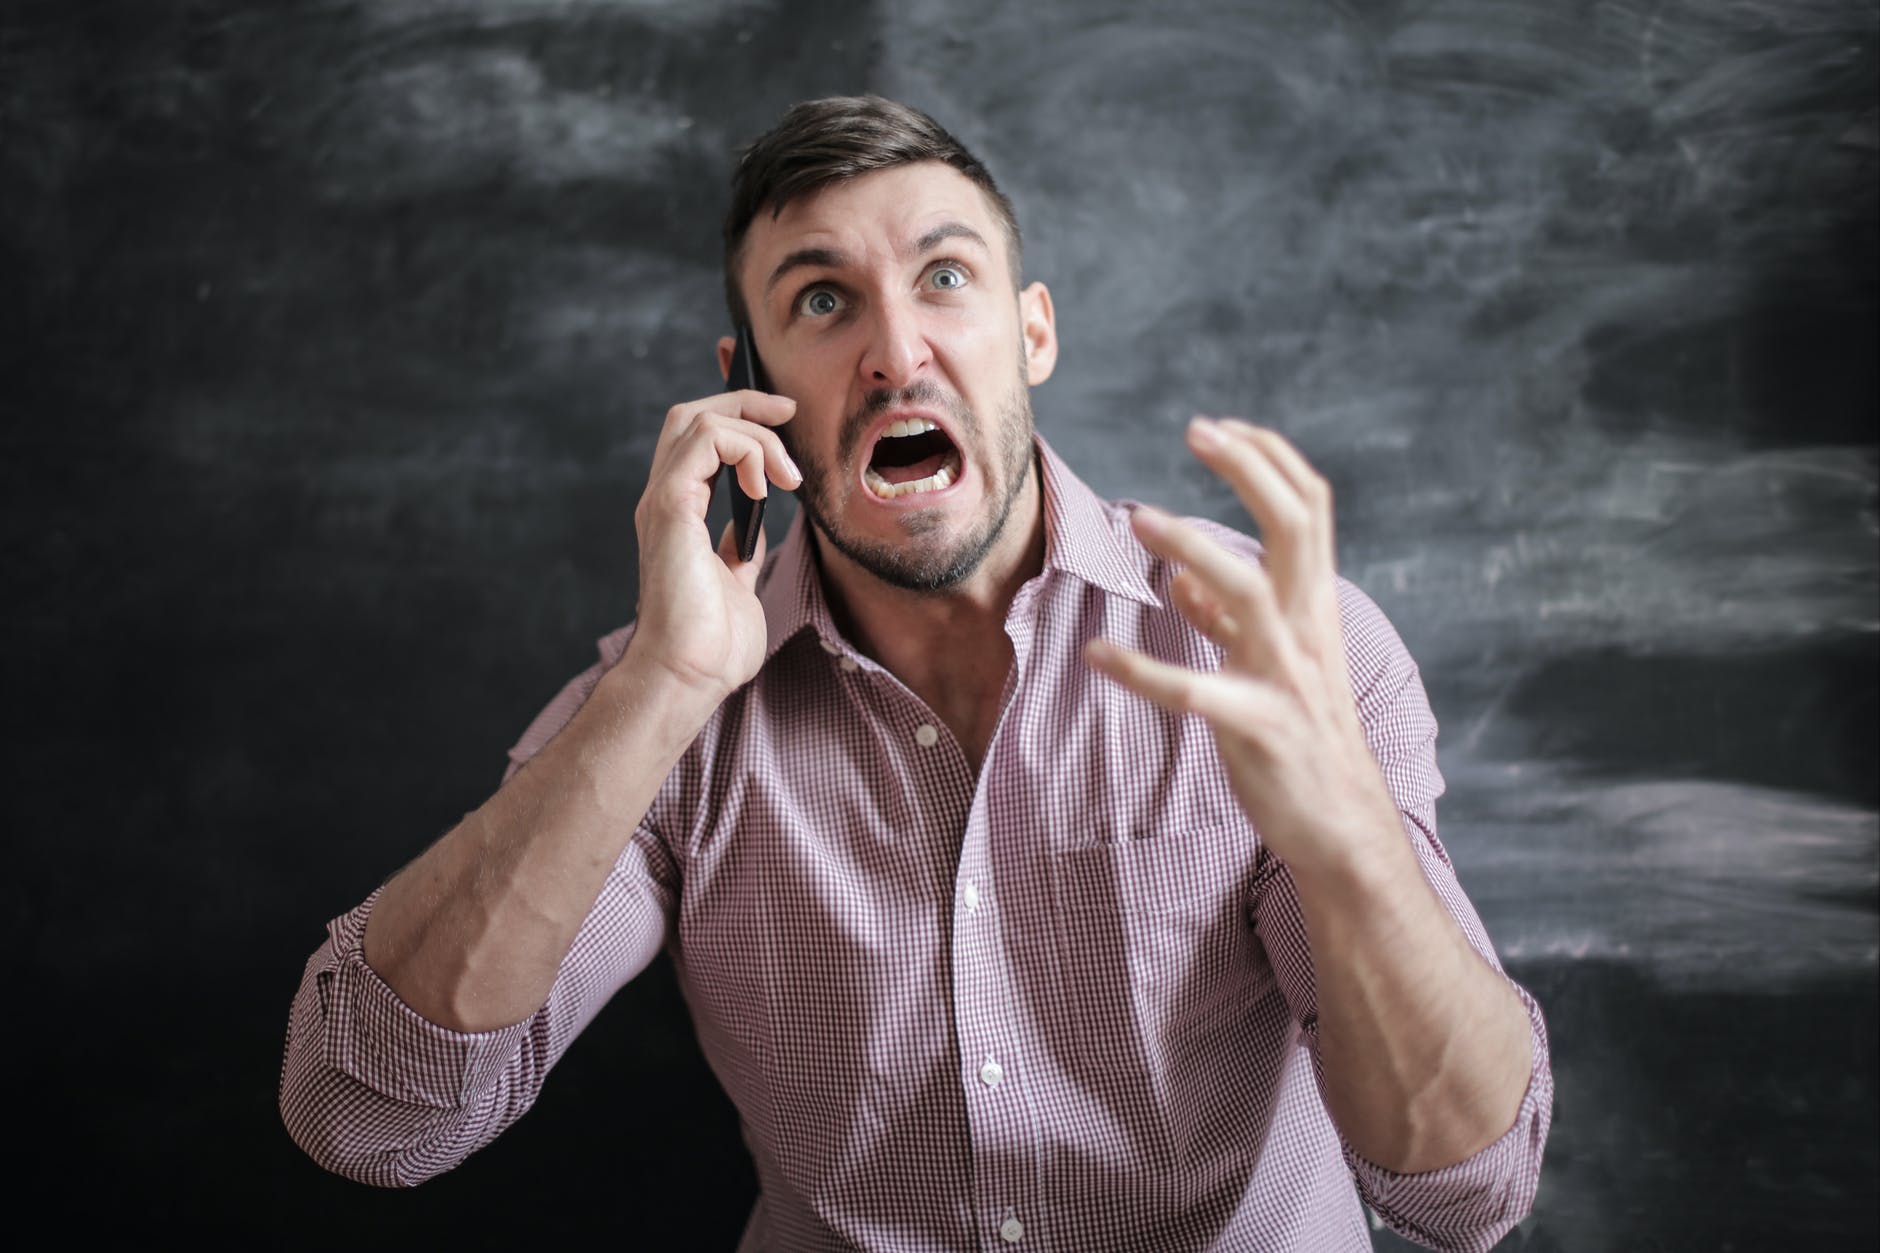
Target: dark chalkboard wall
column 334, row 337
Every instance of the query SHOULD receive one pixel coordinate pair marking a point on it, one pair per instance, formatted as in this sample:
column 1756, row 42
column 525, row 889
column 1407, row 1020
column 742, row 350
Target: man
column 1041, row 872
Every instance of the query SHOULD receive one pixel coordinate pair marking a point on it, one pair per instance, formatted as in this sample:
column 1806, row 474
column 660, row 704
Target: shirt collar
column 1082, row 539
column 1087, row 538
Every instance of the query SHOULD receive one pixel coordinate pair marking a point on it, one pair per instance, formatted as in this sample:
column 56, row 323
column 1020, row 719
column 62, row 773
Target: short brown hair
column 825, row 141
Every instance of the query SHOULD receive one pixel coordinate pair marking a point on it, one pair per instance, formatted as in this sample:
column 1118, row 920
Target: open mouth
column 913, row 455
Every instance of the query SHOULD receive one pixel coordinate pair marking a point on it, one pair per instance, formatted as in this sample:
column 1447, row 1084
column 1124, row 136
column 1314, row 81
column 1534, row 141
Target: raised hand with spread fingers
column 1281, row 704
column 1425, row 1048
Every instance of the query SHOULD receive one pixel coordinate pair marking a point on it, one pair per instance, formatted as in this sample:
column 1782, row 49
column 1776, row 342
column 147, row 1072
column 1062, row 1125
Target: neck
column 949, row 647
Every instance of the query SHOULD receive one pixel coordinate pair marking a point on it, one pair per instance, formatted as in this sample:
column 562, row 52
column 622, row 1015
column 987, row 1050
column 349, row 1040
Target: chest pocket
column 1153, row 944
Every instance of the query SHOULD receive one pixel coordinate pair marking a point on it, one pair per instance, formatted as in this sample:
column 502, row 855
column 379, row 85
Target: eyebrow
column 945, row 231
column 833, row 259
column 827, row 258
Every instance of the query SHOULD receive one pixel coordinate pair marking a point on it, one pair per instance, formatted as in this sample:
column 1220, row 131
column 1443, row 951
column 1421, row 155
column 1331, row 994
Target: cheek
column 986, row 356
column 809, row 439
column 985, row 337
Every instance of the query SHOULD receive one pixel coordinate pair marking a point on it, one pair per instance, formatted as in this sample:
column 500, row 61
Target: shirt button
column 925, row 735
column 1011, row 1231
column 991, row 1073
column 828, row 645
column 972, row 898
column 850, row 664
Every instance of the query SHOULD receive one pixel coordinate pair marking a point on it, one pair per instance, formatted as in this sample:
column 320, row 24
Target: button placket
column 1001, row 1119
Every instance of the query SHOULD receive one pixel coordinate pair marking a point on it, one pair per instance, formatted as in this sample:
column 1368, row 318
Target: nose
column 897, row 350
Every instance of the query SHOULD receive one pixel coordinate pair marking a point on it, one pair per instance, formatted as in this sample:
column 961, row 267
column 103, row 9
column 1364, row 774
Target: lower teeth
column 943, row 477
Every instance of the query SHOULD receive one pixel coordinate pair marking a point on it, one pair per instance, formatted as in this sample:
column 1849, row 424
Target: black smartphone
column 747, row 513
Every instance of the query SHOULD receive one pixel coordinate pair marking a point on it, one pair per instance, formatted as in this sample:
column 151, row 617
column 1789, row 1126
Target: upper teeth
column 910, row 426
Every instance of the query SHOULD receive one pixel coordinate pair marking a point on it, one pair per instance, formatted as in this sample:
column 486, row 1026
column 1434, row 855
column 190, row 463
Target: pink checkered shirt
column 1066, row 1004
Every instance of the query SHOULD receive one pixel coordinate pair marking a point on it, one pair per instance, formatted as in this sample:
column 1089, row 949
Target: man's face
column 884, row 306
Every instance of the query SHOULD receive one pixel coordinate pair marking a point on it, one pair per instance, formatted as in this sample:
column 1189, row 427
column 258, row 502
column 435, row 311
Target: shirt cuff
column 1473, row 1203
column 377, row 1039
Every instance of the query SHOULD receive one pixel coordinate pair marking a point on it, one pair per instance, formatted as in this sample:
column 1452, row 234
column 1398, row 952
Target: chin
column 932, row 552
column 937, row 536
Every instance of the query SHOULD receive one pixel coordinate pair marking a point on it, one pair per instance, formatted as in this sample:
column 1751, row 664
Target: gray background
column 334, row 341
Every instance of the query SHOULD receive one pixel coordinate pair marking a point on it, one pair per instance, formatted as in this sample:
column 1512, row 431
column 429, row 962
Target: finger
column 1286, row 459
column 1203, row 608
column 776, row 464
column 685, row 473
column 1258, row 639
column 754, row 453
column 754, row 412
column 753, row 406
column 1313, row 488
column 1242, row 587
column 1268, row 494
column 1285, row 519
column 1228, row 702
column 750, row 469
column 1171, row 687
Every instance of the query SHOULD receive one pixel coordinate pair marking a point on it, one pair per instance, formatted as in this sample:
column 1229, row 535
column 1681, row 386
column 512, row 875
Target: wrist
column 646, row 686
column 1356, row 858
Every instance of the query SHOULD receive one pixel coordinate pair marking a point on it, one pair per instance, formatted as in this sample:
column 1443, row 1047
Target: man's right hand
column 698, row 618
column 472, row 934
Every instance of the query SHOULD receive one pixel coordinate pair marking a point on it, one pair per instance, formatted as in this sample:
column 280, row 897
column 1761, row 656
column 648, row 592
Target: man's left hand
column 1281, row 705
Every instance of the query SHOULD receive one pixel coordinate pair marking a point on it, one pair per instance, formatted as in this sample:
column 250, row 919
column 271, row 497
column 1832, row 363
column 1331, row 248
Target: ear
column 726, row 346
column 1037, row 329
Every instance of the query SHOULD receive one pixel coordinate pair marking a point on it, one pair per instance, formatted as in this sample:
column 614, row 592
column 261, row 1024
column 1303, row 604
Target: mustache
column 925, row 393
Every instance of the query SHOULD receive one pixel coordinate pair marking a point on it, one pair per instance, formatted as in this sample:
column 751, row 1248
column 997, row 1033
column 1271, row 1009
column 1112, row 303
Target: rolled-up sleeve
column 374, row 1091
column 1468, row 1206
column 1472, row 1204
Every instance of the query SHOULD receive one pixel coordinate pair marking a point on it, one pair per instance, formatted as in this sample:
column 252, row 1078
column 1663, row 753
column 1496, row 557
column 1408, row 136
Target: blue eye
column 948, row 277
column 818, row 302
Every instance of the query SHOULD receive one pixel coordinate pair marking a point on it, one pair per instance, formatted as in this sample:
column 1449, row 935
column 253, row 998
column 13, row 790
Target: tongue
column 910, row 473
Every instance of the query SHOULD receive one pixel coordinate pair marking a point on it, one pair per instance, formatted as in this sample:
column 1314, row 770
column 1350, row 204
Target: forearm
column 1426, row 1050
column 472, row 933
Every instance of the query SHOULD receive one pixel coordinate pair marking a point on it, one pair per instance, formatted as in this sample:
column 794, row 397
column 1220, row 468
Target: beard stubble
column 923, row 567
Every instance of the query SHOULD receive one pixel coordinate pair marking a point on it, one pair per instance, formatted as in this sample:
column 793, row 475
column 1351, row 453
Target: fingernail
column 1203, row 433
column 1148, row 517
column 794, row 472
